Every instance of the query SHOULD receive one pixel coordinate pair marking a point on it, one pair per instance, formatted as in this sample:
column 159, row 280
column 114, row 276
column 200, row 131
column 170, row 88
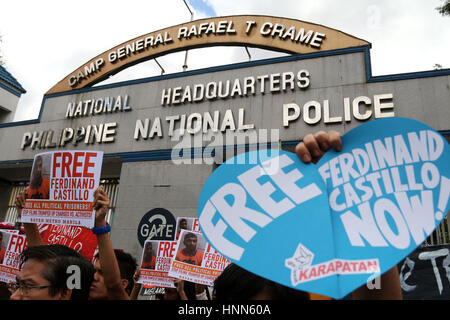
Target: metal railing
column 439, row 236
column 12, row 214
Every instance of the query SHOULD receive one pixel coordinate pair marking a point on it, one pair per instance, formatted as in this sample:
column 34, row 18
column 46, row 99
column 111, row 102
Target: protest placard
column 187, row 223
column 195, row 260
column 332, row 227
column 10, row 227
column 78, row 238
column 155, row 263
column 425, row 273
column 62, row 186
column 212, row 259
column 11, row 246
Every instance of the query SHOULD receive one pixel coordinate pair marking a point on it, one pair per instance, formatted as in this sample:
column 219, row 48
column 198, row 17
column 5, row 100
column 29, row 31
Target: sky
column 43, row 41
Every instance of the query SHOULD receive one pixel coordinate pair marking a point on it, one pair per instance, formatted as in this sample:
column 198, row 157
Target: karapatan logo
column 302, row 269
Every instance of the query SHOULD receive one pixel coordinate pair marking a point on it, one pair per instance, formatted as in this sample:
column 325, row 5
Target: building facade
column 10, row 93
column 163, row 136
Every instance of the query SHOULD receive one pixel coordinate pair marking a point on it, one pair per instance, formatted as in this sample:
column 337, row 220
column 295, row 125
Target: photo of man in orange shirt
column 190, row 254
column 39, row 185
column 182, row 225
column 149, row 258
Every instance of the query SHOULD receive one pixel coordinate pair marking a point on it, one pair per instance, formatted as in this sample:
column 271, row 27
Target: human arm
column 31, row 230
column 137, row 286
column 179, row 284
column 200, row 292
column 311, row 149
column 108, row 262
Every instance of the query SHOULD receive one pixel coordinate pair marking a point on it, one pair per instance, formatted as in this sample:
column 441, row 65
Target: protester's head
column 98, row 288
column 127, row 266
column 52, row 272
column 235, row 283
column 36, row 175
column 190, row 242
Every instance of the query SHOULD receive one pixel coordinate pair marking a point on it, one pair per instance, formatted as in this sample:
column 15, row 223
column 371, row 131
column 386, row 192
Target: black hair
column 236, row 283
column 159, row 296
column 5, row 294
column 127, row 267
column 190, row 235
column 189, row 290
column 58, row 258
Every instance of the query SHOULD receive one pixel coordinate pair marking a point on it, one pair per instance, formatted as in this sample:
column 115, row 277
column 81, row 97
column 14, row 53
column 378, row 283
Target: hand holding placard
column 385, row 193
column 62, row 186
column 313, row 147
column 101, row 206
column 388, row 190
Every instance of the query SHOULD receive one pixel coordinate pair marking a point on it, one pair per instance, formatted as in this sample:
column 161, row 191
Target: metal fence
column 441, row 235
column 12, row 214
column 111, row 187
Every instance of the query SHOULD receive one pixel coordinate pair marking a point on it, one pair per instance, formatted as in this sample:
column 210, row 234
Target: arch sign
column 280, row 34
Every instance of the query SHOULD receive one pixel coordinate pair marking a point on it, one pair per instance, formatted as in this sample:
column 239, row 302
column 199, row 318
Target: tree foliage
column 2, row 62
column 445, row 8
column 1, row 57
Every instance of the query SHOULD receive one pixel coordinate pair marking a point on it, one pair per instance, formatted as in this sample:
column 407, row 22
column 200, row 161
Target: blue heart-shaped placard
column 274, row 216
column 388, row 190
